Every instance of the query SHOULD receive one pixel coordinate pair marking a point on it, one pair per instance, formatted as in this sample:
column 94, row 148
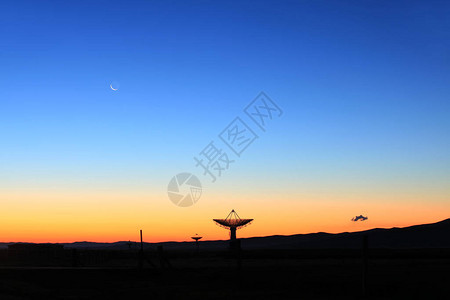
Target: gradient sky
column 364, row 86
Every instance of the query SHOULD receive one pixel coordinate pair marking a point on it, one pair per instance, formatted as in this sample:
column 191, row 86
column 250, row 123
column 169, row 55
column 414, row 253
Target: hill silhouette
column 434, row 235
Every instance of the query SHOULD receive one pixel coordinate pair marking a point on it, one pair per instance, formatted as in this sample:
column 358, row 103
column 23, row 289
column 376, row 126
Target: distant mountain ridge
column 434, row 235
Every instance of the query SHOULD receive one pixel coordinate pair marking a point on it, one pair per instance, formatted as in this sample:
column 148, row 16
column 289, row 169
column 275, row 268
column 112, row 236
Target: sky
column 363, row 87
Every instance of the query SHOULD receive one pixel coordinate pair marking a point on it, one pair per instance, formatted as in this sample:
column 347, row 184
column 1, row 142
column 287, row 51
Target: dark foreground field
column 323, row 274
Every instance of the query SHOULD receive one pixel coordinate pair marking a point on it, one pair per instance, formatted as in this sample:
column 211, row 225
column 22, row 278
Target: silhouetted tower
column 196, row 238
column 233, row 222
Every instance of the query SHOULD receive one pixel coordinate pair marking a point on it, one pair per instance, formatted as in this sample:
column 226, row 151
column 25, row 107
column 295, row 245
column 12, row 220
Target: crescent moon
column 112, row 88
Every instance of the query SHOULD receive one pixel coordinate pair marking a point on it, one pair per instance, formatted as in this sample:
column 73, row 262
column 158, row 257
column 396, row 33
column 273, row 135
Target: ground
column 217, row 276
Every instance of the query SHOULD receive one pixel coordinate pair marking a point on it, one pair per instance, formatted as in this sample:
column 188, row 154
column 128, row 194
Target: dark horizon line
column 206, row 240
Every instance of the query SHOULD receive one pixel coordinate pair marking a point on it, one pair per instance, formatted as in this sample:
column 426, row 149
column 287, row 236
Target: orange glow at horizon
column 111, row 217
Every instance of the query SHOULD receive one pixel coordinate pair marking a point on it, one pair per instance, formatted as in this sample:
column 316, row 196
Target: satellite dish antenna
column 196, row 238
column 233, row 222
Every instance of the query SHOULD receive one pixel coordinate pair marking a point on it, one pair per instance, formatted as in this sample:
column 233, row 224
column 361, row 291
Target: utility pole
column 141, row 254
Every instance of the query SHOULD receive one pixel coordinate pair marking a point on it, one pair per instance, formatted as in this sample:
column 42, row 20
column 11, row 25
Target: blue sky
column 364, row 86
